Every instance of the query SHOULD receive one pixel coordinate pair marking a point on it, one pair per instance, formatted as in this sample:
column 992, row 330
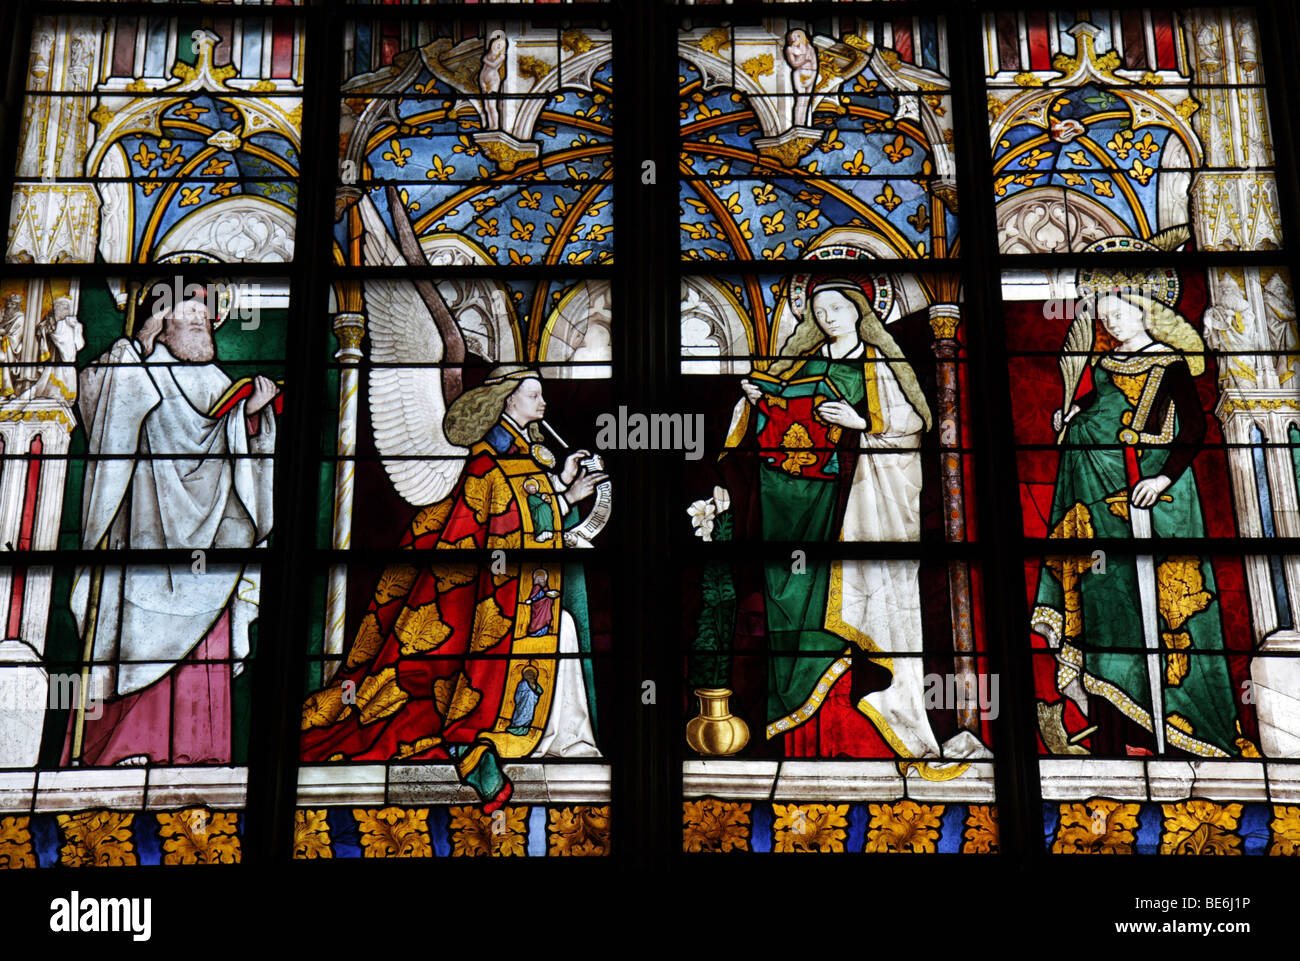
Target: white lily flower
column 702, row 513
column 721, row 497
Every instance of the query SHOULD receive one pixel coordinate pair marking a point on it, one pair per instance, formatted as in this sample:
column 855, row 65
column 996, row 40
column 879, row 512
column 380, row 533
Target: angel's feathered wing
column 406, row 403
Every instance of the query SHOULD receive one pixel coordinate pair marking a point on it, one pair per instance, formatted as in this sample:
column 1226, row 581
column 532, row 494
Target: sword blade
column 1140, row 518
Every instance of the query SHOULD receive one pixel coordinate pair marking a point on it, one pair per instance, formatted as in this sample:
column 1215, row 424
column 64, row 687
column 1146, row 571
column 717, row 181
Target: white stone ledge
column 82, row 789
column 405, row 785
column 214, row 787
column 319, row 785
column 1072, row 779
column 742, row 780
column 126, row 789
column 973, row 786
column 17, row 788
column 825, row 781
column 341, row 784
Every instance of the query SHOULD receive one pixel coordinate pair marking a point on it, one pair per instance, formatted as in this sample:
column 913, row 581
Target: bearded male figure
column 177, row 458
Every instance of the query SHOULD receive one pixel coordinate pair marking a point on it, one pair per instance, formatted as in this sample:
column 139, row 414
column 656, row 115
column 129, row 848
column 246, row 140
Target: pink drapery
column 182, row 718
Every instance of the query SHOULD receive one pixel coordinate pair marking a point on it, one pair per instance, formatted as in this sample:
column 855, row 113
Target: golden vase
column 716, row 731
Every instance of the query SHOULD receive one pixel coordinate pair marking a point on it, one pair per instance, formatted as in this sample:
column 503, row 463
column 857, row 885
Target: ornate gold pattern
column 714, row 40
column 455, row 696
column 1286, row 830
column 395, row 582
column 16, row 843
column 1099, row 826
column 534, row 68
column 759, row 66
column 367, row 642
column 58, row 416
column 1181, row 587
column 788, row 153
column 394, row 832
column 1177, row 665
column 311, row 834
column 795, row 442
column 810, row 827
column 981, row 834
column 575, row 41
column 99, row 838
column 199, row 836
column 1131, row 386
column 713, row 825
column 1201, row 827
column 1260, row 403
column 501, row 834
column 1074, row 523
column 905, row 827
column 407, row 749
column 322, row 708
column 503, row 155
column 453, row 575
column 421, row 629
column 379, row 696
column 431, row 519
column 489, row 494
column 579, row 831
column 490, row 628
column 1181, row 723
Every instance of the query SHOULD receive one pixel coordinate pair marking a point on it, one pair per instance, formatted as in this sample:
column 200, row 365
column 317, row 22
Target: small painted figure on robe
column 1129, row 440
column 527, row 693
column 419, row 690
column 542, row 601
column 539, row 505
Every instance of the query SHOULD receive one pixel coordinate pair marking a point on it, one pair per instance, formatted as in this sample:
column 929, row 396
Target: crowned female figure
column 1128, row 441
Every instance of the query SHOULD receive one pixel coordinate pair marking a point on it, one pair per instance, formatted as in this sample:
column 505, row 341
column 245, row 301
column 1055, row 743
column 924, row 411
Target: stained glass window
column 884, row 439
column 464, row 145
column 1169, row 386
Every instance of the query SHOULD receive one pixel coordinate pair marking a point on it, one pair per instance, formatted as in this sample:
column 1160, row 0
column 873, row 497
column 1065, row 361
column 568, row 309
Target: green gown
column 799, row 503
column 1094, row 615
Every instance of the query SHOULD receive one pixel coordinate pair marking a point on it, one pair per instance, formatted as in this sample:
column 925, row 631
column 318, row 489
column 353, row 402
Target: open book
column 238, row 391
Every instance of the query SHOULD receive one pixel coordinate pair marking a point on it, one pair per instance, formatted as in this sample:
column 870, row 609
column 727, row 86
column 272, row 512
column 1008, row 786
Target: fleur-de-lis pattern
column 215, row 147
column 560, row 201
column 866, row 142
column 1108, row 145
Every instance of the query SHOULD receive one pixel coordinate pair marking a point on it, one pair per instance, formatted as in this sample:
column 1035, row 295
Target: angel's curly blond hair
column 475, row 412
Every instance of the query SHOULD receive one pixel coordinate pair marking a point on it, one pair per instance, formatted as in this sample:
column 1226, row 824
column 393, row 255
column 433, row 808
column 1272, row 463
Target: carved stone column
column 944, row 321
column 1236, row 209
column 349, row 327
column 52, row 221
column 35, row 435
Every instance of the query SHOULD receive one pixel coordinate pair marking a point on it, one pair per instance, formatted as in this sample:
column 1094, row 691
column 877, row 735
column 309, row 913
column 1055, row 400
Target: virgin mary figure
column 843, row 408
column 1128, row 442
column 449, row 651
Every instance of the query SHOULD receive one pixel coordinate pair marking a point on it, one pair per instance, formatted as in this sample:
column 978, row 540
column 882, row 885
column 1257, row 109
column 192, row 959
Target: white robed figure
column 178, row 457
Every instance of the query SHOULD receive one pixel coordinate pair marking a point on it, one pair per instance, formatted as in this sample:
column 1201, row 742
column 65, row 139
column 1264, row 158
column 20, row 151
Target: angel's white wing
column 406, row 403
